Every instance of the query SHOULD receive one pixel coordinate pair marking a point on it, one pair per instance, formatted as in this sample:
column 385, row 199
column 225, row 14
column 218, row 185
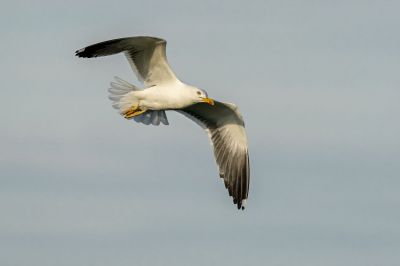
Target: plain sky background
column 317, row 82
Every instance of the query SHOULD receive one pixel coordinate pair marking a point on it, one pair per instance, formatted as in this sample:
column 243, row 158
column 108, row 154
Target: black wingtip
column 239, row 204
column 240, row 207
column 78, row 52
column 83, row 53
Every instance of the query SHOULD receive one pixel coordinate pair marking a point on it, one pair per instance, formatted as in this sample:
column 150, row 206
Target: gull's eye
column 198, row 93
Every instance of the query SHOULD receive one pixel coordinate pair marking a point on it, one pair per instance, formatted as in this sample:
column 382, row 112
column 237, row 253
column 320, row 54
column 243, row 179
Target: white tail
column 122, row 93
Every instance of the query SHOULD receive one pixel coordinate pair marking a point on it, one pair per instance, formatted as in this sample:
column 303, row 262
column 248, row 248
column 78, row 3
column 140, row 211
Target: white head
column 200, row 96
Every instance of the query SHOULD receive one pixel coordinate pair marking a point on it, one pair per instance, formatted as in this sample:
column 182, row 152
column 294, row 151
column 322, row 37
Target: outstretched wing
column 146, row 55
column 225, row 127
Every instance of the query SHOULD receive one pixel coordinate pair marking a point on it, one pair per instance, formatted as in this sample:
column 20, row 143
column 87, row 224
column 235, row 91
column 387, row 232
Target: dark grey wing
column 146, row 55
column 225, row 127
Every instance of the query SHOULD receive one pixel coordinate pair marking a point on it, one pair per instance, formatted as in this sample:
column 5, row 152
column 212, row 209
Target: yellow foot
column 133, row 111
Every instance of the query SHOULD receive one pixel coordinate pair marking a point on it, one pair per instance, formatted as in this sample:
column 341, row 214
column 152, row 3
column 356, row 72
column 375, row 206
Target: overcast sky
column 318, row 85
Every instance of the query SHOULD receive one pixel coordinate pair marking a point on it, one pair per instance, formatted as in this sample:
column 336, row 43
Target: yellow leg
column 133, row 111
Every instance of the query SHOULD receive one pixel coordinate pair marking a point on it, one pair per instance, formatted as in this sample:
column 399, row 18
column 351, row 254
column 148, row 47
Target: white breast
column 166, row 96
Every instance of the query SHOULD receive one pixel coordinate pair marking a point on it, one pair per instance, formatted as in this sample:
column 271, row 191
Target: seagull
column 163, row 91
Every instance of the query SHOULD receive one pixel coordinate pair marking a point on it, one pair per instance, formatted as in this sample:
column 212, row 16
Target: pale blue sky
column 317, row 82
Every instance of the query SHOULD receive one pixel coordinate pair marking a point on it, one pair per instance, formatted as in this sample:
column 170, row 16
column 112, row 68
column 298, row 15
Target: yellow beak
column 207, row 100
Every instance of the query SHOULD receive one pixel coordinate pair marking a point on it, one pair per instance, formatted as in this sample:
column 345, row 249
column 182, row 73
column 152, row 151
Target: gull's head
column 200, row 96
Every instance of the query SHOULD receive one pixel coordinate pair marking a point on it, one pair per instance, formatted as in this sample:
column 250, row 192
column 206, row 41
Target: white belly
column 165, row 97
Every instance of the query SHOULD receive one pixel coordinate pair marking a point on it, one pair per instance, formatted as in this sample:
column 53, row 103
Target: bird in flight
column 163, row 91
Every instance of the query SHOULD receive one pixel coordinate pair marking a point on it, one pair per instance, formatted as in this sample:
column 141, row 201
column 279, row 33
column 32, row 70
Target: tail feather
column 125, row 83
column 117, row 89
column 122, row 93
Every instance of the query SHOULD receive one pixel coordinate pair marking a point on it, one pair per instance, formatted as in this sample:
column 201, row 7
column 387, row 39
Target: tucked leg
column 133, row 111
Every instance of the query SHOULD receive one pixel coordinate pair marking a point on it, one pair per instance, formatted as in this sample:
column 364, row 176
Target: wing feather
column 225, row 127
column 146, row 55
